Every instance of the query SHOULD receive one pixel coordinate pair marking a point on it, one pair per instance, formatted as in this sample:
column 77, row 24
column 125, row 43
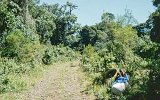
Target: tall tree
column 65, row 23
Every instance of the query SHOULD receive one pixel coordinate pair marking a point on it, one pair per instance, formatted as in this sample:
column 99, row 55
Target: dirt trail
column 63, row 82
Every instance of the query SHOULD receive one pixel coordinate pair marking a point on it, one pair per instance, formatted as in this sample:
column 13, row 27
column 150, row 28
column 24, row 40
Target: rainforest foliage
column 34, row 35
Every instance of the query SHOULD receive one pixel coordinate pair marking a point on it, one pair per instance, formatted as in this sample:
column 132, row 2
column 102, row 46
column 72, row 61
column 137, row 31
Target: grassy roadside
column 24, row 82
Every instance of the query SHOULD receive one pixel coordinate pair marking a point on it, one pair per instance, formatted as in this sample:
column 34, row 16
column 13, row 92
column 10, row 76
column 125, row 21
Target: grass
column 23, row 82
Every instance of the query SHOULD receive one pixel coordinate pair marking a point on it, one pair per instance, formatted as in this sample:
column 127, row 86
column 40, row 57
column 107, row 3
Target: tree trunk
column 25, row 10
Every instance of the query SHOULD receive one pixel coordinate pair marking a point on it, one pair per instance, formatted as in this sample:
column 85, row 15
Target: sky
column 89, row 11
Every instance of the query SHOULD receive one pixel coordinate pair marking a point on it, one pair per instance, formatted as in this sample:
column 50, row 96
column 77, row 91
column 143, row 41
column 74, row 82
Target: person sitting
column 122, row 77
column 121, row 82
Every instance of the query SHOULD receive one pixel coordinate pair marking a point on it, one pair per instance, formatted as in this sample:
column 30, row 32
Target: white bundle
column 118, row 88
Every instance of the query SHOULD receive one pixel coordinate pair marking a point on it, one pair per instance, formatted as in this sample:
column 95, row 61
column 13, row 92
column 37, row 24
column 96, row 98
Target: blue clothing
column 123, row 79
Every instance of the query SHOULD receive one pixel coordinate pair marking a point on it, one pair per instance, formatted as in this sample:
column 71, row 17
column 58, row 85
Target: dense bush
column 117, row 53
column 21, row 47
column 58, row 53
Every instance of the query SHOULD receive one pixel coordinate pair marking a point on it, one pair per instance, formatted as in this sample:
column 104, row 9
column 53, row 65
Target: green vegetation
column 116, row 43
column 25, row 46
column 34, row 36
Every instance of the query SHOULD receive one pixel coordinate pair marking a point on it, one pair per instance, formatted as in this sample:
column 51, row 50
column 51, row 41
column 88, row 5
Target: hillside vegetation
column 34, row 36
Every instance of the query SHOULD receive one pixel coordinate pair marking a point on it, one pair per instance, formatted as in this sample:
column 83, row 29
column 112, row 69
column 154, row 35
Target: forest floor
column 65, row 81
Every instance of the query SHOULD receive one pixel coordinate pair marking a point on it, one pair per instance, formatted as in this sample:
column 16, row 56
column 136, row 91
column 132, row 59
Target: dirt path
column 63, row 82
